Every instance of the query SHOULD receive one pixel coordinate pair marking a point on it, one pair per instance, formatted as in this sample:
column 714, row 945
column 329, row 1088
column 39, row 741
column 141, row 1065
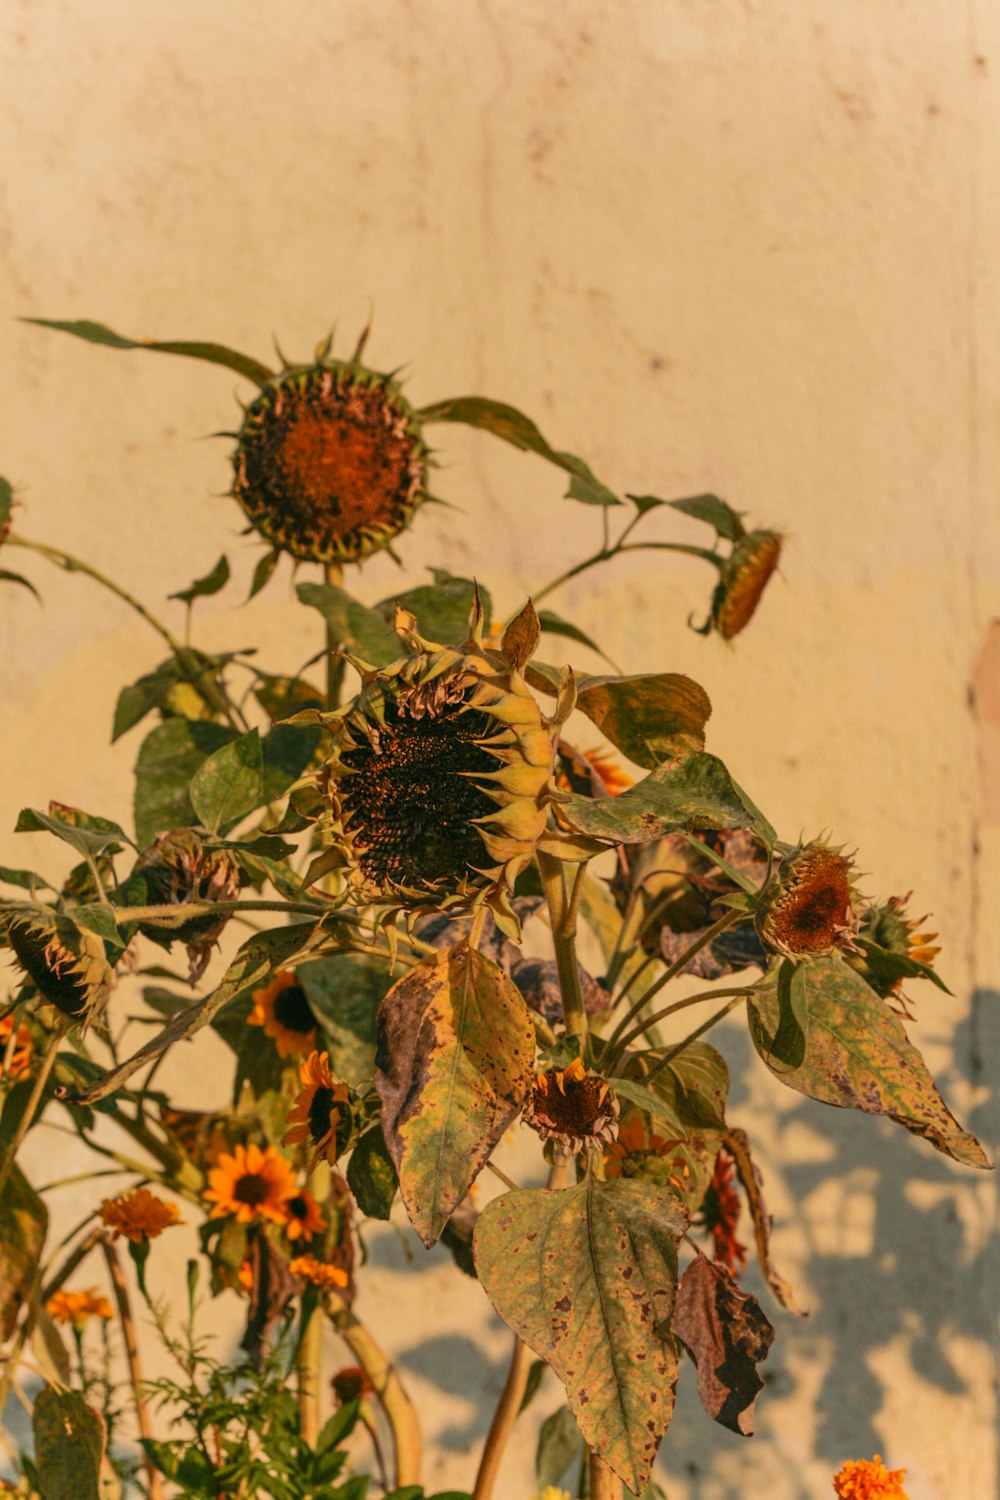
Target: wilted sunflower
column 303, row 1218
column 77, row 1307
column 139, row 1215
column 720, row 1212
column 592, row 773
column 250, row 1184
column 441, row 772
column 318, row 1272
column 868, row 1479
column 744, row 577
column 321, row 1114
column 330, row 462
column 808, row 906
column 179, row 868
column 572, row 1107
column 66, row 963
column 283, row 1010
column 889, row 929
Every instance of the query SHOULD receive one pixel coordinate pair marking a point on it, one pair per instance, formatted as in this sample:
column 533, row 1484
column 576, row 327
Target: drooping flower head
column 77, row 1307
column 572, row 1107
column 139, row 1215
column 808, row 906
column 331, row 463
column 66, row 963
column 321, row 1114
column 283, row 1009
column 250, row 1184
column 179, row 868
column 318, row 1272
column 637, row 1152
column 440, row 777
column 743, row 580
column 868, row 1479
column 303, row 1218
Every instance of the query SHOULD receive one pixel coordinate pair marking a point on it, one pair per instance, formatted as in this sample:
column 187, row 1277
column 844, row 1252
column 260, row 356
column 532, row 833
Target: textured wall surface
column 746, row 247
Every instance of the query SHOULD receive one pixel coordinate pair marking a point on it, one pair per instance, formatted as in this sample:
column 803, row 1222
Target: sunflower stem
column 154, row 1480
column 388, row 1388
column 604, row 1482
column 333, row 574
column 661, row 1015
column 563, row 918
column 693, row 1036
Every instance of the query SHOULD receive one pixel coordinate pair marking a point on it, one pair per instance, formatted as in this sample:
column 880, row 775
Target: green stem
column 692, row 1036
column 562, row 915
column 661, row 1015
column 675, row 968
column 333, row 574
column 743, row 881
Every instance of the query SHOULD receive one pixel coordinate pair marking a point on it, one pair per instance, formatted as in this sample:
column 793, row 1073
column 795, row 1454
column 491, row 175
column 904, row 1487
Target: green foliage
column 69, row 1442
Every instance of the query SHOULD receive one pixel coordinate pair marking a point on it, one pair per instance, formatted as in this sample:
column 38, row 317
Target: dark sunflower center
column 292, row 1010
column 411, row 801
column 322, row 1106
column 297, row 1207
column 251, row 1188
column 327, row 464
column 577, row 1110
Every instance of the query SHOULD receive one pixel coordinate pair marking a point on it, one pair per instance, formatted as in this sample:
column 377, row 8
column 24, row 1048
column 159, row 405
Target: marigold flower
column 720, row 1214
column 303, row 1216
column 318, row 1272
column 869, row 1479
column 250, row 1184
column 21, row 1052
column 808, row 906
column 639, row 1153
column 350, row 1384
column 283, row 1010
column 572, row 1107
column 77, row 1307
column 321, row 1114
column 139, row 1215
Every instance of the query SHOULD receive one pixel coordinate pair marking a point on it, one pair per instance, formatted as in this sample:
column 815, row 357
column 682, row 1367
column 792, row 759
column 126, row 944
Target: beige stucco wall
column 746, row 247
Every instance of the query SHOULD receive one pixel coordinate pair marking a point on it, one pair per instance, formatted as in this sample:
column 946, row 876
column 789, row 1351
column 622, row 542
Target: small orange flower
column 244, row 1277
column 251, row 1184
column 285, row 1014
column 639, row 1153
column 592, row 772
column 139, row 1215
column 321, row 1115
column 319, row 1272
column 572, row 1107
column 20, row 1056
column 304, row 1218
column 77, row 1307
column 350, row 1384
column 864, row 1479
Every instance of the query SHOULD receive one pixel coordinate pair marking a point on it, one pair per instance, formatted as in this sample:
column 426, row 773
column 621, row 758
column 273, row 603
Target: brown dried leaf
column 273, row 1288
column 738, row 1146
column 727, row 1334
column 520, row 639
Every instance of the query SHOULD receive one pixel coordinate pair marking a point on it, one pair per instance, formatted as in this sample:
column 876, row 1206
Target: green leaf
column 357, row 629
column 371, row 1175
column 454, row 1065
column 287, row 750
column 168, row 758
column 559, row 1445
column 708, row 508
column 100, row 919
column 536, row 1371
column 24, row 1221
column 203, row 587
column 344, row 992
column 26, row 879
column 651, row 719
column 6, row 500
column 142, row 696
column 847, row 1048
column 6, row 576
column 69, row 1445
column 586, row 1277
column 698, row 793
column 442, row 607
column 645, row 1099
column 86, row 834
column 884, row 967
column 215, row 354
column 230, row 783
column 262, row 573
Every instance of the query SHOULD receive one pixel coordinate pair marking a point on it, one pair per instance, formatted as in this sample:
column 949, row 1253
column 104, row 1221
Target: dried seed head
column 330, row 463
column 66, row 963
column 808, row 906
column 743, row 580
column 572, row 1107
column 178, row 869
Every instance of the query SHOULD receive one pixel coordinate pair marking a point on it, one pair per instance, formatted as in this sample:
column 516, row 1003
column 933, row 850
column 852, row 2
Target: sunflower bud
column 66, row 963
column 808, row 907
column 440, row 778
column 330, row 462
column 742, row 582
column 178, row 868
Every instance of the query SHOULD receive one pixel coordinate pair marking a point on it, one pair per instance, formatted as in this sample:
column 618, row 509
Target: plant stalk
column 563, row 917
column 153, row 1477
column 604, row 1482
column 503, row 1421
column 398, row 1408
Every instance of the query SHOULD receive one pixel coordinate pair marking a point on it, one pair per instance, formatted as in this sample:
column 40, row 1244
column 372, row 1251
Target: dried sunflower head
column 742, row 582
column 572, row 1107
column 808, row 906
column 66, row 963
column 441, row 773
column 330, row 462
column 179, row 868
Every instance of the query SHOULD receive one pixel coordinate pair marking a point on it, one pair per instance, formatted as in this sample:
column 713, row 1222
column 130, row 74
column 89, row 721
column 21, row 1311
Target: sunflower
column 321, row 1114
column 303, row 1216
column 179, row 868
column 593, row 773
column 21, row 1049
column 77, row 1307
column 330, row 463
column 285, row 1014
column 66, row 963
column 868, row 1479
column 251, row 1184
column 720, row 1213
column 808, row 907
column 637, row 1152
column 742, row 581
column 440, row 777
column 138, row 1215
column 318, row 1272
column 572, row 1107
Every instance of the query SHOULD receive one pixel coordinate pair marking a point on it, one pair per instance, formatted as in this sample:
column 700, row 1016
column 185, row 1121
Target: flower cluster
column 869, row 1479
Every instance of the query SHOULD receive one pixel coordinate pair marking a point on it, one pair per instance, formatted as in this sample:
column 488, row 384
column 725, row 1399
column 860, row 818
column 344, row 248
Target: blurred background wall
column 746, row 246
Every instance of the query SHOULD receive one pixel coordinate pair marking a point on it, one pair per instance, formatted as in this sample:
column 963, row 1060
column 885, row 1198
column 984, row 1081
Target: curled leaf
column 727, row 1335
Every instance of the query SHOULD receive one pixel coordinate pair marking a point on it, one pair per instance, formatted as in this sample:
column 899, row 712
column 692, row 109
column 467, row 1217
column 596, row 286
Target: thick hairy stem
column 31, row 1108
column 503, row 1421
column 401, row 1415
column 333, row 574
column 563, row 917
column 154, row 1479
column 308, row 1375
column 604, row 1483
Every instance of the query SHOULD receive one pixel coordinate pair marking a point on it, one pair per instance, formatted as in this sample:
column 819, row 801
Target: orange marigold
column 321, row 1114
column 285, row 1014
column 138, row 1215
column 251, row 1184
column 77, row 1307
column 864, row 1479
column 319, row 1272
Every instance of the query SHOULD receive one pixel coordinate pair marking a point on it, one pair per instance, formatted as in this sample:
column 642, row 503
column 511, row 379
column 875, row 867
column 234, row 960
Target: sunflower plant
column 390, row 828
